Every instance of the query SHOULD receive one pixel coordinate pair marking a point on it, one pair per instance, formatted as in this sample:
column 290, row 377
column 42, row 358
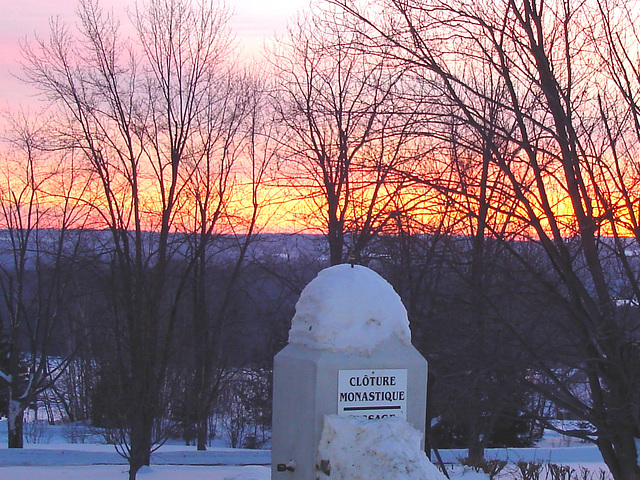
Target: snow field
column 60, row 460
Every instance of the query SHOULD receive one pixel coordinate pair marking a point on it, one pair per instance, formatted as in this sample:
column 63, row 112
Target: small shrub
column 490, row 467
column 76, row 432
column 560, row 472
column 244, row 409
column 587, row 474
column 493, row 467
column 37, row 431
column 584, row 474
column 529, row 470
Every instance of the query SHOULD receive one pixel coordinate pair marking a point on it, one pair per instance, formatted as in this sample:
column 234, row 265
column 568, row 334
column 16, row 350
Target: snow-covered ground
column 60, row 460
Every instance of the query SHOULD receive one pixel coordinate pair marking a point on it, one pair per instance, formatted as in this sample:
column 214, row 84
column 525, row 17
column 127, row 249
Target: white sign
column 373, row 393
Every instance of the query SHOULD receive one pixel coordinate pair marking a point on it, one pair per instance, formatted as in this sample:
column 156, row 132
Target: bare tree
column 551, row 143
column 134, row 111
column 344, row 133
column 39, row 207
column 225, row 188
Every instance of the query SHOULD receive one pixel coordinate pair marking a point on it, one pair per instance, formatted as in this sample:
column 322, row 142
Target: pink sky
column 254, row 20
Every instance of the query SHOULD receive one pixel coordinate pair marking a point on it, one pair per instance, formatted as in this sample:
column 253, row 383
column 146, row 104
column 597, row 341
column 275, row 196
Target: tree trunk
column 475, row 456
column 16, row 425
column 336, row 244
column 202, row 431
column 620, row 455
column 142, row 412
column 140, row 454
column 476, row 443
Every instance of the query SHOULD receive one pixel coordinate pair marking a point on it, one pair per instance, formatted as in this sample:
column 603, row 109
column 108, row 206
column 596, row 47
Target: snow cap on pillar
column 349, row 308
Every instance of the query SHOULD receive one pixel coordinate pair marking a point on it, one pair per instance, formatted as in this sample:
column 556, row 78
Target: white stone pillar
column 349, row 354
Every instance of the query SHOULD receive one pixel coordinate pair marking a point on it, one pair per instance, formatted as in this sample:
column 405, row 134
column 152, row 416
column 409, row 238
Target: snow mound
column 384, row 449
column 349, row 308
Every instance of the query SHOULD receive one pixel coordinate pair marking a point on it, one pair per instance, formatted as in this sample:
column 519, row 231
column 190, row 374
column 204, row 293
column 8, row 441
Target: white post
column 349, row 354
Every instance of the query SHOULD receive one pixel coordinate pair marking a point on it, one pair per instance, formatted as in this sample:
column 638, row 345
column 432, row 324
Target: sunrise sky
column 253, row 21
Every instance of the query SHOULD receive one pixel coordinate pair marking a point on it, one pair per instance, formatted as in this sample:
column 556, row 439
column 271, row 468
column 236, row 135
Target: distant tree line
column 481, row 157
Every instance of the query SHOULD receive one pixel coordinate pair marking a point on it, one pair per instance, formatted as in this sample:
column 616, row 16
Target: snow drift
column 384, row 449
